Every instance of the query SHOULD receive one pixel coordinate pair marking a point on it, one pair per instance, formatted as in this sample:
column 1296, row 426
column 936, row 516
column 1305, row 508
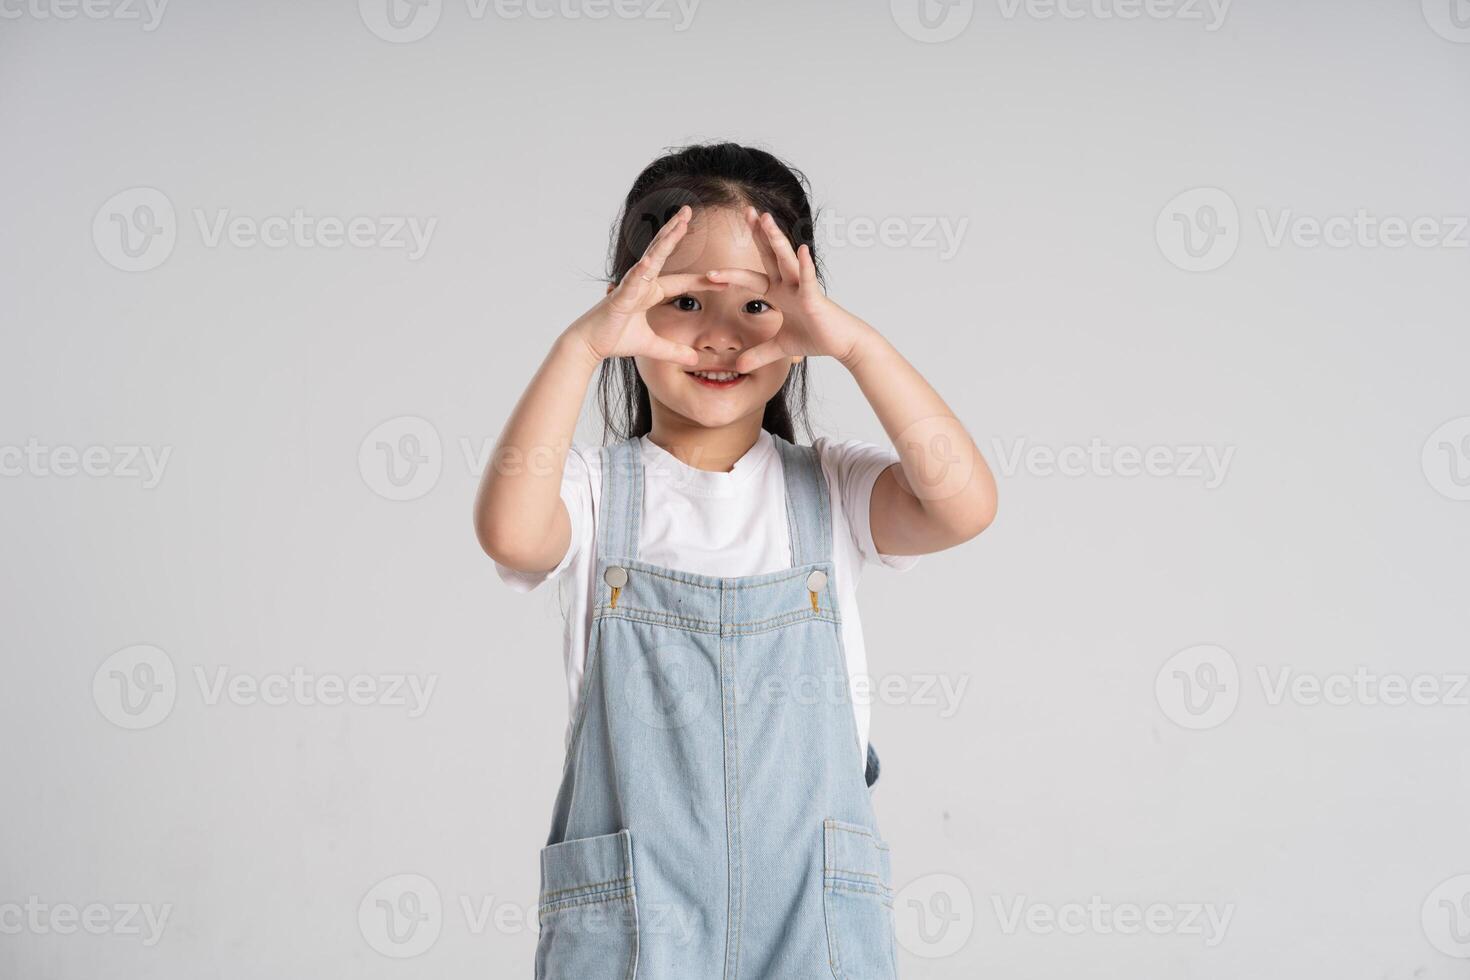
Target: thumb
column 666, row 350
column 759, row 356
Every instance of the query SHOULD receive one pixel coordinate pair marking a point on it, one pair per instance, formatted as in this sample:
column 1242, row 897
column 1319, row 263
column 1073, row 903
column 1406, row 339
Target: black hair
column 702, row 176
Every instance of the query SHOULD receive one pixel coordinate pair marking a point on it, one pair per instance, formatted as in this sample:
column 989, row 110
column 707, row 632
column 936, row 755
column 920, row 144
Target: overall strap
column 808, row 508
column 621, row 506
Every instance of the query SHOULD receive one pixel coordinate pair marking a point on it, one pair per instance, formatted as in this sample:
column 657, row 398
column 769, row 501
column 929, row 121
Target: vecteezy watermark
column 1445, row 917
column 401, row 916
column 1364, row 686
column 406, row 21
column 137, row 687
column 304, row 689
column 404, row 915
column 1209, row 13
column 122, row 462
column 129, row 919
column 1446, row 459
column 1198, row 687
column 1198, row 230
column 935, row 21
column 137, row 229
column 932, row 21
column 1207, row 464
column 1208, row 921
column 1362, row 229
column 941, row 692
column 936, row 457
column 1201, row 229
column 148, row 13
column 940, row 233
column 1450, row 19
column 674, row 685
column 402, row 458
column 934, row 916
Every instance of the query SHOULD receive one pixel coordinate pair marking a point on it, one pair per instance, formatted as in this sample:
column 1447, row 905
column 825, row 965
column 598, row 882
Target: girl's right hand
column 618, row 325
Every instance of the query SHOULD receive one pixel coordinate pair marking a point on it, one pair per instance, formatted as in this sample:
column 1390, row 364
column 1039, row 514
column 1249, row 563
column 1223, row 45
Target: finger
column 667, row 228
column 642, row 273
column 759, row 356
column 688, row 282
column 666, row 350
column 756, row 282
column 763, row 246
column 667, row 238
column 808, row 265
column 781, row 246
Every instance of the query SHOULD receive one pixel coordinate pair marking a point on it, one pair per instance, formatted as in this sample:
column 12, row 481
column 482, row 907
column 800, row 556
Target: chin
column 708, row 416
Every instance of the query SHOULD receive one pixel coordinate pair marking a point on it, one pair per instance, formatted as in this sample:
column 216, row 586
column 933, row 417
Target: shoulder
column 853, row 460
column 852, row 467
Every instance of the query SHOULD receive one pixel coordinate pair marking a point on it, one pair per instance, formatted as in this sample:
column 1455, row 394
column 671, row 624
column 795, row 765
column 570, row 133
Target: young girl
column 714, row 817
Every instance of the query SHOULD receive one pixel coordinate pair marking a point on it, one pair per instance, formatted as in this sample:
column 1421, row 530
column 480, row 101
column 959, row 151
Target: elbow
column 508, row 543
column 500, row 543
column 980, row 517
column 497, row 540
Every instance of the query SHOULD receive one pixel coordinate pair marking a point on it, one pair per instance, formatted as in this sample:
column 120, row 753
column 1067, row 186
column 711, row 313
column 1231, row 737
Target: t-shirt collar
column 662, row 465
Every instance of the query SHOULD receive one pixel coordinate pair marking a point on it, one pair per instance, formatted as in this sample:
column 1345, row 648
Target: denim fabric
column 710, row 821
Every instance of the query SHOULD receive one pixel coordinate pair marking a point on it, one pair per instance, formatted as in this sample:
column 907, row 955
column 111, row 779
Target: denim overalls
column 712, row 821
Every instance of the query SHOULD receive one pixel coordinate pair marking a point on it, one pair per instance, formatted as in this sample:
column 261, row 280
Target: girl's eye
column 686, row 303
column 757, row 306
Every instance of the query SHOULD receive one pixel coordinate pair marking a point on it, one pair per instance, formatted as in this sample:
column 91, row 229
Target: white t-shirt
column 723, row 524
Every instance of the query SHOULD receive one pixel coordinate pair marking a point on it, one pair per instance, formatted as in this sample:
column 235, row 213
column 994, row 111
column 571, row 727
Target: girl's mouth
column 716, row 379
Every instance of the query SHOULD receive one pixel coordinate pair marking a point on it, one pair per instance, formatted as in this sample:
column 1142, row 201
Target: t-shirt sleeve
column 576, row 493
column 857, row 466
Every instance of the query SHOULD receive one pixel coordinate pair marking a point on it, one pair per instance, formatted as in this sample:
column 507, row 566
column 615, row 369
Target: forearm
column 519, row 517
column 943, row 469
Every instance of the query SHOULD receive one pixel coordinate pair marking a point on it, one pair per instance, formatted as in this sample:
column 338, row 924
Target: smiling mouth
column 717, row 379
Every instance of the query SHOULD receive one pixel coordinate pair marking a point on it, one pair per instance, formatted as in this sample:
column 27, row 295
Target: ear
column 610, row 287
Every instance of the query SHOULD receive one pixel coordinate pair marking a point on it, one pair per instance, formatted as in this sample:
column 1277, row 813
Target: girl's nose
column 718, row 335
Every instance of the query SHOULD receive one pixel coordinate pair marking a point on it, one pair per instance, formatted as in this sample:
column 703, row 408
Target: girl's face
column 720, row 325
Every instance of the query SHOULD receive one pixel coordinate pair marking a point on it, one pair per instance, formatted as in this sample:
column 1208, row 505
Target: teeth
column 716, row 375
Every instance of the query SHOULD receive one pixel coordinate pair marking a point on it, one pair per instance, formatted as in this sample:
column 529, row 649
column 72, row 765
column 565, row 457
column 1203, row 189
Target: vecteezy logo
column 931, row 448
column 935, row 916
column 135, row 687
column 135, row 230
column 1450, row 19
column 932, row 21
column 1446, row 459
column 671, row 687
column 1198, row 687
column 402, row 458
column 400, row 21
column 401, row 916
column 1199, row 230
column 1445, row 917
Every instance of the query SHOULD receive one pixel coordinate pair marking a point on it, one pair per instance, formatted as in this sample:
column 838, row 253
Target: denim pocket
column 857, row 899
column 587, row 910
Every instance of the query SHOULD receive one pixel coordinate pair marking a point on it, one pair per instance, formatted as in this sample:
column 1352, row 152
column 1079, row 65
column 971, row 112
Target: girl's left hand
column 810, row 322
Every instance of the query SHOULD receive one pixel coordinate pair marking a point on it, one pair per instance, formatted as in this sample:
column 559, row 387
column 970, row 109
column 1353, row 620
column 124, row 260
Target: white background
column 1070, row 315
